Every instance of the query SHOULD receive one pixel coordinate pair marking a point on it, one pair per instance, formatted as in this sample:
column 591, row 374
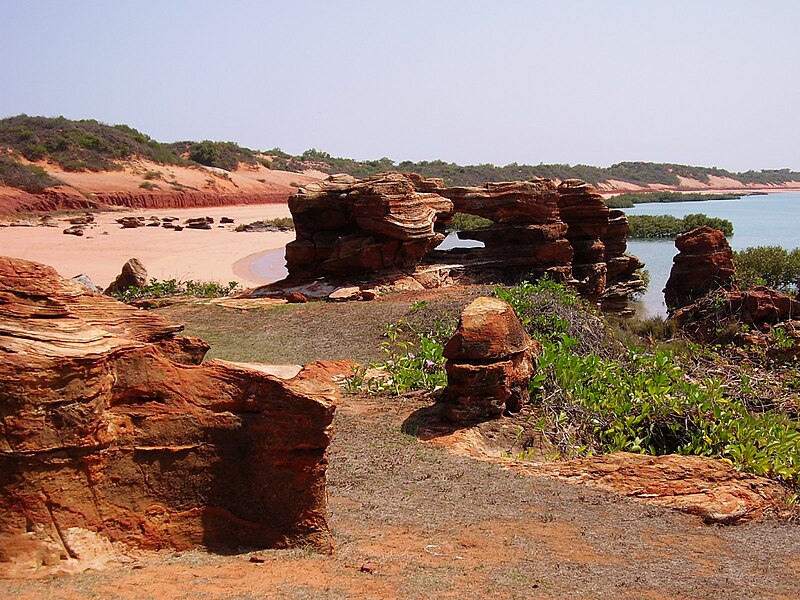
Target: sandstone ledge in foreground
column 110, row 431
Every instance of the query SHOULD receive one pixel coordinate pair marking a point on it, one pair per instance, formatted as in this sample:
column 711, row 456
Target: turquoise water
column 772, row 220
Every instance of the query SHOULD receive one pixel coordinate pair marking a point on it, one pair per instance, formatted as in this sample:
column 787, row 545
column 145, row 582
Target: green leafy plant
column 174, row 287
column 590, row 399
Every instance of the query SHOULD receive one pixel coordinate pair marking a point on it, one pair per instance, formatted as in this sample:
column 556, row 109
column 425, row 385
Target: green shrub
column 592, row 397
column 667, row 226
column 772, row 266
column 174, row 287
column 80, row 145
column 31, row 178
column 466, row 222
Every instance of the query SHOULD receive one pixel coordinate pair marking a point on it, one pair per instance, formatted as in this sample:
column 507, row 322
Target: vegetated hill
column 88, row 145
column 637, row 173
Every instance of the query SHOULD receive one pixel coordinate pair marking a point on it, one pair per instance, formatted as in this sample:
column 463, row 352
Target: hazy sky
column 704, row 82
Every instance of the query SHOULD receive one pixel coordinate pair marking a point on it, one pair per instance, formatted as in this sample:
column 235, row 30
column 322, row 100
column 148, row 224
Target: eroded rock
column 387, row 228
column 704, row 263
column 489, row 363
column 133, row 274
column 105, row 432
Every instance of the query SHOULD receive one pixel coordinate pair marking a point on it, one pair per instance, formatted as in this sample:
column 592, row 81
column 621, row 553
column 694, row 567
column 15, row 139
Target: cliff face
column 18, row 201
column 111, row 428
column 390, row 225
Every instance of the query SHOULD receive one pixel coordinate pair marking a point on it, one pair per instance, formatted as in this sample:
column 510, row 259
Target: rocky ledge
column 112, row 430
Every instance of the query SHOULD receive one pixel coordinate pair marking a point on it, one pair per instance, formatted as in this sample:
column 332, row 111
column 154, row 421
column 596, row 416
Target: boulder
column 704, row 263
column 107, row 435
column 86, row 282
column 75, row 230
column 345, row 294
column 199, row 223
column 131, row 222
column 489, row 363
column 345, row 226
column 133, row 274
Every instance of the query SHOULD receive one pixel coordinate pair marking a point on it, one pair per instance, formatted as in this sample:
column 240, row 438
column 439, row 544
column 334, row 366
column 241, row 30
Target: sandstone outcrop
column 345, row 227
column 133, row 274
column 704, row 263
column 489, row 363
column 758, row 307
column 387, row 228
column 110, row 428
column 697, row 485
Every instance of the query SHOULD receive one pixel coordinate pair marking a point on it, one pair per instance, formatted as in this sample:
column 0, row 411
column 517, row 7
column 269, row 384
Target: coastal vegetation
column 667, row 226
column 31, row 178
column 773, row 266
column 628, row 200
column 169, row 288
column 88, row 145
column 85, row 145
column 592, row 393
column 466, row 222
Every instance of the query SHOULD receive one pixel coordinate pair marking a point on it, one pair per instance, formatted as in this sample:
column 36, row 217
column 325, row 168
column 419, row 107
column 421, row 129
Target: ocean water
column 771, row 220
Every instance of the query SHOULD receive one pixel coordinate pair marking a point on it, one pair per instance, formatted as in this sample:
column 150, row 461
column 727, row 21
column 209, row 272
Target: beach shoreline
column 219, row 254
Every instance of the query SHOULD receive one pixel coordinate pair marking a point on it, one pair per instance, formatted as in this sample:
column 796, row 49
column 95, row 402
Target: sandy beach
column 220, row 254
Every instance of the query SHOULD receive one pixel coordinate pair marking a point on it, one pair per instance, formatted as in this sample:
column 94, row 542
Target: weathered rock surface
column 345, row 226
column 86, row 282
column 704, row 263
column 65, row 198
column 701, row 486
column 387, row 228
column 133, row 274
column 105, row 432
column 759, row 307
column 489, row 363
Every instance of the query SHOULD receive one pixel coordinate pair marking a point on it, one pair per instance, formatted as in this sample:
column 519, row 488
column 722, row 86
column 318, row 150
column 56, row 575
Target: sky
column 700, row 82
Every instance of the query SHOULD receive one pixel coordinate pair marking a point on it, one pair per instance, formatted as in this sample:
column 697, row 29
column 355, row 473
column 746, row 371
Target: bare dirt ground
column 411, row 519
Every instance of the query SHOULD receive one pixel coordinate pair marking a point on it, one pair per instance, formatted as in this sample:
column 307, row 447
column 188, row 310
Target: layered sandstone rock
column 758, row 307
column 389, row 225
column 111, row 428
column 704, row 263
column 489, row 363
column 345, row 226
column 697, row 485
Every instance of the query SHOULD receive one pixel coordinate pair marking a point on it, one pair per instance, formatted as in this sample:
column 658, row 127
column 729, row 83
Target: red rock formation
column 18, row 201
column 344, row 226
column 489, row 363
column 389, row 225
column 759, row 307
column 704, row 263
column 109, row 425
column 697, row 485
